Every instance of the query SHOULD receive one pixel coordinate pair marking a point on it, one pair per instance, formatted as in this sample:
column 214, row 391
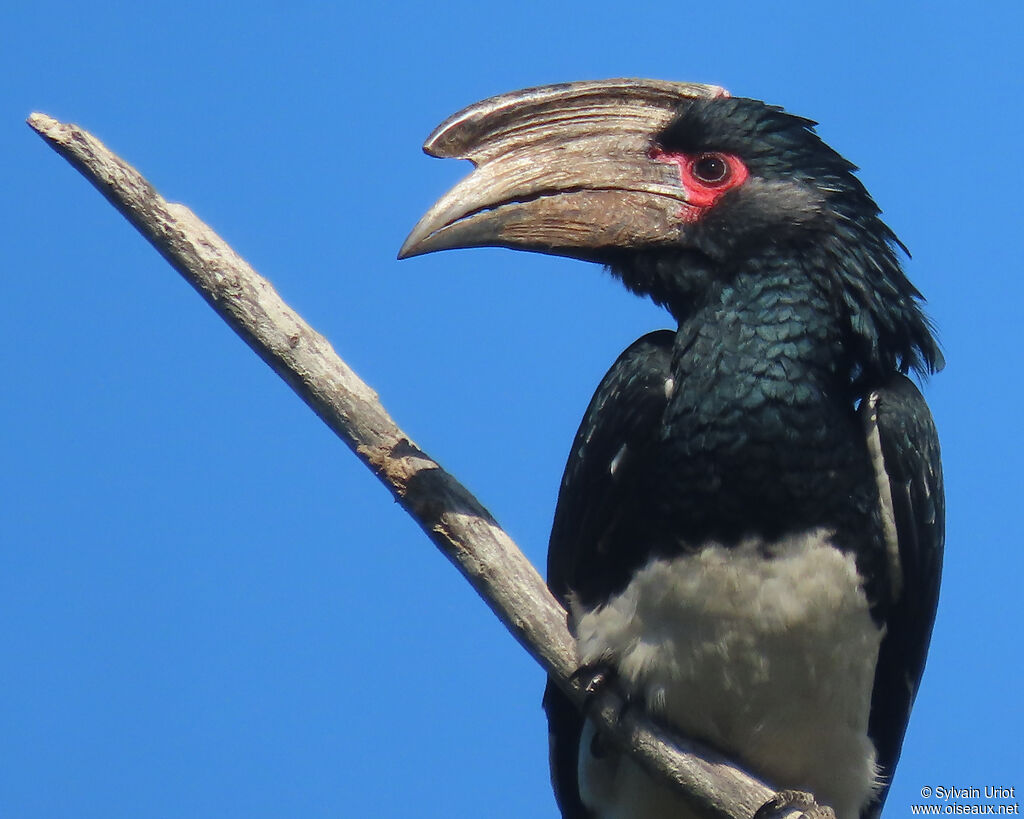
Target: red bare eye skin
column 705, row 177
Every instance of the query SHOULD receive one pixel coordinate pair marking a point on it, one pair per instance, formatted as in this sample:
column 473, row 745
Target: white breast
column 765, row 651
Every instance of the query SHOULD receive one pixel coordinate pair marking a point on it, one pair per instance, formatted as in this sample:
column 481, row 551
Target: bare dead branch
column 452, row 518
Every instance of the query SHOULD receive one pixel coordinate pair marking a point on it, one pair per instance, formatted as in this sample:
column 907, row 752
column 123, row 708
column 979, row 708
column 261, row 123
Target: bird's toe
column 794, row 800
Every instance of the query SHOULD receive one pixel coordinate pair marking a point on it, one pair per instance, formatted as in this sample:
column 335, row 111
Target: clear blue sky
column 208, row 606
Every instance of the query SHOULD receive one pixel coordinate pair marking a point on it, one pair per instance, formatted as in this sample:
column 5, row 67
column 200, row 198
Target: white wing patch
column 888, row 510
column 617, row 460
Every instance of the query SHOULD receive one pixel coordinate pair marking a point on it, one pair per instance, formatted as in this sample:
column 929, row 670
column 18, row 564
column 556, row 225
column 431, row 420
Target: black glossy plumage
column 910, row 447
column 793, row 310
column 601, row 516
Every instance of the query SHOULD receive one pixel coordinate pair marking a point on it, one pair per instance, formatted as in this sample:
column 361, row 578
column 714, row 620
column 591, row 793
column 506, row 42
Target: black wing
column 910, row 454
column 597, row 536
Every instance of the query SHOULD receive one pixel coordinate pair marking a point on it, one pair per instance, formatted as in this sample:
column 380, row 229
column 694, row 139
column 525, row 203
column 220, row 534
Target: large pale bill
column 560, row 169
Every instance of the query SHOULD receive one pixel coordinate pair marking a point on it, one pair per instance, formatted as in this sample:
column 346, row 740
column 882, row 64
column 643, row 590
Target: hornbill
column 749, row 531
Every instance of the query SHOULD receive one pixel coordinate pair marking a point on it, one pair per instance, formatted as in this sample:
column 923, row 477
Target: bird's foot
column 593, row 679
column 798, row 800
column 597, row 678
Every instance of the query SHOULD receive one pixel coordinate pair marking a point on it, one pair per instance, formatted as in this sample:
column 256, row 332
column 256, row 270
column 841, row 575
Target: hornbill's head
column 676, row 187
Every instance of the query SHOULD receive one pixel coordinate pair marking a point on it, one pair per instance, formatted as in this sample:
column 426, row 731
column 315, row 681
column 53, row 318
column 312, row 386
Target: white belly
column 765, row 651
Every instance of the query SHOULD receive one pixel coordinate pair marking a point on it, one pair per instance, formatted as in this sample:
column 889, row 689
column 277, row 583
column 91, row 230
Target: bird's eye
column 711, row 169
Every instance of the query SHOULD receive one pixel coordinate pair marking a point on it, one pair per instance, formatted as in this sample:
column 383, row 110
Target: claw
column 594, row 679
column 792, row 799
